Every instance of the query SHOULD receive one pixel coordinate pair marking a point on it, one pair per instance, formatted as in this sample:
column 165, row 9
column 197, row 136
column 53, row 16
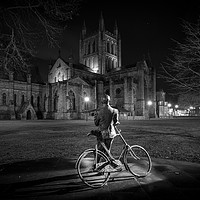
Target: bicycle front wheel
column 138, row 161
column 90, row 172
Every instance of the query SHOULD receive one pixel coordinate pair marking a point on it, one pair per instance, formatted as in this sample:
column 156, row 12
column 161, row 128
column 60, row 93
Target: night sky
column 146, row 28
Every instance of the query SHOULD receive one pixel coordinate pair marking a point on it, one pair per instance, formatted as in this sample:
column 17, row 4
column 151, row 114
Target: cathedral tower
column 100, row 51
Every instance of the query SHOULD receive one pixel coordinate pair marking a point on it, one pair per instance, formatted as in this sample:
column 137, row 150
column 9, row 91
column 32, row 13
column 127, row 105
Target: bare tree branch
column 189, row 99
column 182, row 69
column 25, row 23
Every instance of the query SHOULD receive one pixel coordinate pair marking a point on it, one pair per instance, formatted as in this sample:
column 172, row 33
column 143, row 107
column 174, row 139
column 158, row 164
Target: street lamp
column 170, row 110
column 86, row 99
column 149, row 103
column 176, row 110
column 169, row 105
column 191, row 110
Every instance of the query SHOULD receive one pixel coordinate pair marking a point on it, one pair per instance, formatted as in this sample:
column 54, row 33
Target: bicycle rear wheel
column 137, row 161
column 91, row 173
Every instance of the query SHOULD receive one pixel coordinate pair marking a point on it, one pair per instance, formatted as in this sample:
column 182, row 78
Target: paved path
column 55, row 179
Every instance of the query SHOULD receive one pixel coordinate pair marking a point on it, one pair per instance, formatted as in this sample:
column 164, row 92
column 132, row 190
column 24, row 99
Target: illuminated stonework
column 59, row 72
column 72, row 89
column 101, row 51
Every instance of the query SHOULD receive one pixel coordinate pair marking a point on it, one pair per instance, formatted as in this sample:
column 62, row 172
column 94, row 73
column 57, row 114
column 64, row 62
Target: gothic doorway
column 28, row 115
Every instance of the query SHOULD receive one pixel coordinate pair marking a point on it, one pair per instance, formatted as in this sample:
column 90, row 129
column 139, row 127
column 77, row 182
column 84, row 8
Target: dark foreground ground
column 37, row 160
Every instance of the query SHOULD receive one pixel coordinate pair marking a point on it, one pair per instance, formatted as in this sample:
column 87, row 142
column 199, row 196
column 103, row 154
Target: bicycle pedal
column 118, row 169
column 111, row 169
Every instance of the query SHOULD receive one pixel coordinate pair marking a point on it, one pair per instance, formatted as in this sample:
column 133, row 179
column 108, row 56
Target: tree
column 25, row 23
column 182, row 69
column 187, row 100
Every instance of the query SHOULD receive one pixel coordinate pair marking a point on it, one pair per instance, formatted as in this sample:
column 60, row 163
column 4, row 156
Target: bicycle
column 95, row 174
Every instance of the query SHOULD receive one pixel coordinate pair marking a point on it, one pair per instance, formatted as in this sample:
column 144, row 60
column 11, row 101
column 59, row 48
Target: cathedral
column 73, row 91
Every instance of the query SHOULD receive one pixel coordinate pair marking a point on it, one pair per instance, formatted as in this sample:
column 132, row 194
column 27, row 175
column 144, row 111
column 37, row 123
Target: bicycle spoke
column 138, row 161
column 94, row 175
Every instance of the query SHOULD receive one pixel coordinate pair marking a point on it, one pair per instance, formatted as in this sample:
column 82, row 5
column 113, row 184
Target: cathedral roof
column 35, row 70
column 81, row 67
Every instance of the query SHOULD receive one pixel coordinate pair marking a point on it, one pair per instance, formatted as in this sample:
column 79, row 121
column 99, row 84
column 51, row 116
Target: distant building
column 99, row 71
column 162, row 108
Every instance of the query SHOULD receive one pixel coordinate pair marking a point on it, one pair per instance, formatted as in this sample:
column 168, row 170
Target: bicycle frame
column 124, row 150
column 94, row 166
column 126, row 145
column 109, row 155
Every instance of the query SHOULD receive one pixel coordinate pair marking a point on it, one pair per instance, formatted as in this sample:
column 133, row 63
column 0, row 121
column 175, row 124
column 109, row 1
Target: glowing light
column 95, row 70
column 86, row 99
column 95, row 67
column 169, row 105
column 149, row 103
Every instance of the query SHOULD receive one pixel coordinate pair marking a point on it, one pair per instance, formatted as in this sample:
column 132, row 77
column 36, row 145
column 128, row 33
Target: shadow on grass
column 47, row 177
column 47, row 164
column 58, row 185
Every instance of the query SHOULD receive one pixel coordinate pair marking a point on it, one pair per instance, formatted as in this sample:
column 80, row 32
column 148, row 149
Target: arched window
column 45, row 98
column 59, row 74
column 85, row 103
column 28, row 115
column 107, row 64
column 88, row 62
column 107, row 92
column 93, row 46
column 22, row 99
column 67, row 74
column 15, row 99
column 84, row 49
column 108, row 47
column 72, row 100
column 38, row 102
column 4, row 98
column 112, row 49
column 113, row 65
column 88, row 48
column 134, row 92
column 55, row 102
column 91, row 63
column 32, row 100
column 118, row 92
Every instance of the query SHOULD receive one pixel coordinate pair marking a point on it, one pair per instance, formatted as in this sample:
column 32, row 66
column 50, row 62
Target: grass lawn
column 177, row 139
